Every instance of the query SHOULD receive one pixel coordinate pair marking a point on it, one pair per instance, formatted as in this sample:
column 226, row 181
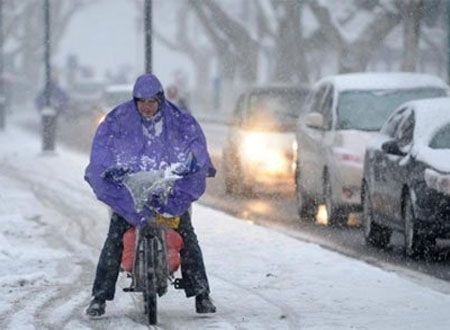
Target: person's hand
column 115, row 174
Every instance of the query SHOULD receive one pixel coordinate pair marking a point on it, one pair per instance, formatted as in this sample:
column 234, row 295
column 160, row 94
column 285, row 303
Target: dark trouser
column 192, row 267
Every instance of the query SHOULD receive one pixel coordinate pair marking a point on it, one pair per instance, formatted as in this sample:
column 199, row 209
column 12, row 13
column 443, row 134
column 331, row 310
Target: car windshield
column 368, row 110
column 441, row 139
column 115, row 98
column 282, row 105
column 87, row 88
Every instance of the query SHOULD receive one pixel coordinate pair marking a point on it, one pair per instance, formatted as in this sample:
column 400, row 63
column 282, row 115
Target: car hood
column 353, row 141
column 435, row 158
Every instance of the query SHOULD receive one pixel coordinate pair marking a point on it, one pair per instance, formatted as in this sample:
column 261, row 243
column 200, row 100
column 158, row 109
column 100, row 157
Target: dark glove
column 115, row 174
column 189, row 166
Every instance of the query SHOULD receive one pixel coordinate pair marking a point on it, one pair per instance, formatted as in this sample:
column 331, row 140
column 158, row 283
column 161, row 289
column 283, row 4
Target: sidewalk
column 52, row 229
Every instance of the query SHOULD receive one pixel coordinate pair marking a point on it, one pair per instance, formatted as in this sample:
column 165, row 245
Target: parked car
column 342, row 114
column 84, row 95
column 112, row 96
column 258, row 150
column 406, row 185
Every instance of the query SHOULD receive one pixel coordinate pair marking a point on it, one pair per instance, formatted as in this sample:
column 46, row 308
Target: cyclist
column 149, row 135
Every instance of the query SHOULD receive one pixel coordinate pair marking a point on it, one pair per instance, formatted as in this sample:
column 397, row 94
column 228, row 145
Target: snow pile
column 51, row 230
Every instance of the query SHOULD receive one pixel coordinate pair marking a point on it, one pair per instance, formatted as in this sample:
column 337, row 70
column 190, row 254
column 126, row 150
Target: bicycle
column 151, row 273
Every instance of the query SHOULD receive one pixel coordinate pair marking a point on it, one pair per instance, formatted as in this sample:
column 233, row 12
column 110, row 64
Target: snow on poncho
column 159, row 152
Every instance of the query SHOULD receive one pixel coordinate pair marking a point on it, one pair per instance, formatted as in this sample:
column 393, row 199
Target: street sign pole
column 48, row 114
column 2, row 80
column 148, row 35
column 448, row 41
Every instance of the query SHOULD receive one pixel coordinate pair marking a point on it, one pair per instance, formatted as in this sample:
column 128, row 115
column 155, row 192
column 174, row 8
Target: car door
column 329, row 134
column 377, row 163
column 395, row 169
column 309, row 139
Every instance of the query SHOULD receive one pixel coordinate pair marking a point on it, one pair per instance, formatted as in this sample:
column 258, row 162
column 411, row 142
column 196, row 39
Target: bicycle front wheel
column 150, row 295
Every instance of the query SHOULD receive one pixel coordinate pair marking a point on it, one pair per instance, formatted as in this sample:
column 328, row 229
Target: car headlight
column 254, row 145
column 258, row 150
column 100, row 118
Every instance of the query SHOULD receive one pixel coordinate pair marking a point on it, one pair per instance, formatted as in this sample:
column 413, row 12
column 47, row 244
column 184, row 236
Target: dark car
column 406, row 180
column 259, row 150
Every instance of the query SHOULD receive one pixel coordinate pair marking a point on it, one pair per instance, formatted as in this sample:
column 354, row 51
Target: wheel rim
column 367, row 214
column 409, row 227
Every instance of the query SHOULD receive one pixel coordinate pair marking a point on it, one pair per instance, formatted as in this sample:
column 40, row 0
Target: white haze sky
column 105, row 35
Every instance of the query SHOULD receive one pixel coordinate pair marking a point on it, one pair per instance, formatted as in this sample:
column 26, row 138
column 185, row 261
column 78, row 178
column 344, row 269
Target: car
column 112, row 96
column 406, row 182
column 342, row 113
column 258, row 151
column 84, row 94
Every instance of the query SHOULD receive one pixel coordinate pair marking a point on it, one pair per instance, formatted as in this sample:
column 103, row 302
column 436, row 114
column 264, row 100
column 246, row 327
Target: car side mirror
column 391, row 147
column 314, row 120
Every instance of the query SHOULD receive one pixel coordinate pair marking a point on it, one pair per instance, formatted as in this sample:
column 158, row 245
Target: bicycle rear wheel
column 150, row 294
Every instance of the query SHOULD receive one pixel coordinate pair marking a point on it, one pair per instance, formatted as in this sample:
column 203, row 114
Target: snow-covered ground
column 52, row 229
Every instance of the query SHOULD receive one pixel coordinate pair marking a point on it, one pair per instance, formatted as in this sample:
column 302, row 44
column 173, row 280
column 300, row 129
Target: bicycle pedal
column 178, row 283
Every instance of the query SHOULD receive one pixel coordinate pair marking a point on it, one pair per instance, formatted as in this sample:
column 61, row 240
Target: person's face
column 147, row 108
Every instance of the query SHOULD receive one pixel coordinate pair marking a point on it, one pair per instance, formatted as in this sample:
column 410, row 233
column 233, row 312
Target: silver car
column 342, row 114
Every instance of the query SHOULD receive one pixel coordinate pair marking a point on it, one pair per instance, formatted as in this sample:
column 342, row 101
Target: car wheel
column 230, row 183
column 234, row 180
column 336, row 216
column 306, row 207
column 416, row 244
column 374, row 234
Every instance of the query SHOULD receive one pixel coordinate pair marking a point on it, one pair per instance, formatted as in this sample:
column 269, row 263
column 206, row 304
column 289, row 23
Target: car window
column 405, row 131
column 318, row 99
column 326, row 108
column 391, row 125
column 116, row 97
column 368, row 109
column 280, row 105
column 441, row 139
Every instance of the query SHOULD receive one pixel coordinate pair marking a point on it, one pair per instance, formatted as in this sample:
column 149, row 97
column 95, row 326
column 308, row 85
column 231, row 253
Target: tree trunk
column 412, row 15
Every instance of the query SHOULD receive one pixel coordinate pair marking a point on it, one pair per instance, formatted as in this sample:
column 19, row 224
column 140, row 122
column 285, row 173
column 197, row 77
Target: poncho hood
column 147, row 86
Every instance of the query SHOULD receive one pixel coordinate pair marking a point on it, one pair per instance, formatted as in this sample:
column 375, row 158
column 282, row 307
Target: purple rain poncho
column 126, row 140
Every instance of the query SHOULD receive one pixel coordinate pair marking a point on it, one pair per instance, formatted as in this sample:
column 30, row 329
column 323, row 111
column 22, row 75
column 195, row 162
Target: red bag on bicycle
column 174, row 244
column 129, row 241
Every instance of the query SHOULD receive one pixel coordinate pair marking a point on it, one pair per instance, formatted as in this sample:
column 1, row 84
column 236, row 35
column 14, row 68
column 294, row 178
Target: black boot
column 96, row 307
column 203, row 304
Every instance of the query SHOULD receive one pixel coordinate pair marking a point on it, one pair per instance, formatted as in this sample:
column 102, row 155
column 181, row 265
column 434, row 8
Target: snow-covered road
column 52, row 229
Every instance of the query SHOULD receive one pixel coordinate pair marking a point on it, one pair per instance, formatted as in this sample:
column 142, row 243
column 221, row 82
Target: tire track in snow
column 47, row 196
column 288, row 314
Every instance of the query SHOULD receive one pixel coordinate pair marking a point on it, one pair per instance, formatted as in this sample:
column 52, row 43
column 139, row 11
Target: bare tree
column 412, row 16
column 354, row 55
column 24, row 31
column 229, row 36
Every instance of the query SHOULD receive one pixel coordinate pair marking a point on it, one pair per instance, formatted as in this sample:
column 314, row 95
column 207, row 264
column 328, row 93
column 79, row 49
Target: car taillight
column 350, row 158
